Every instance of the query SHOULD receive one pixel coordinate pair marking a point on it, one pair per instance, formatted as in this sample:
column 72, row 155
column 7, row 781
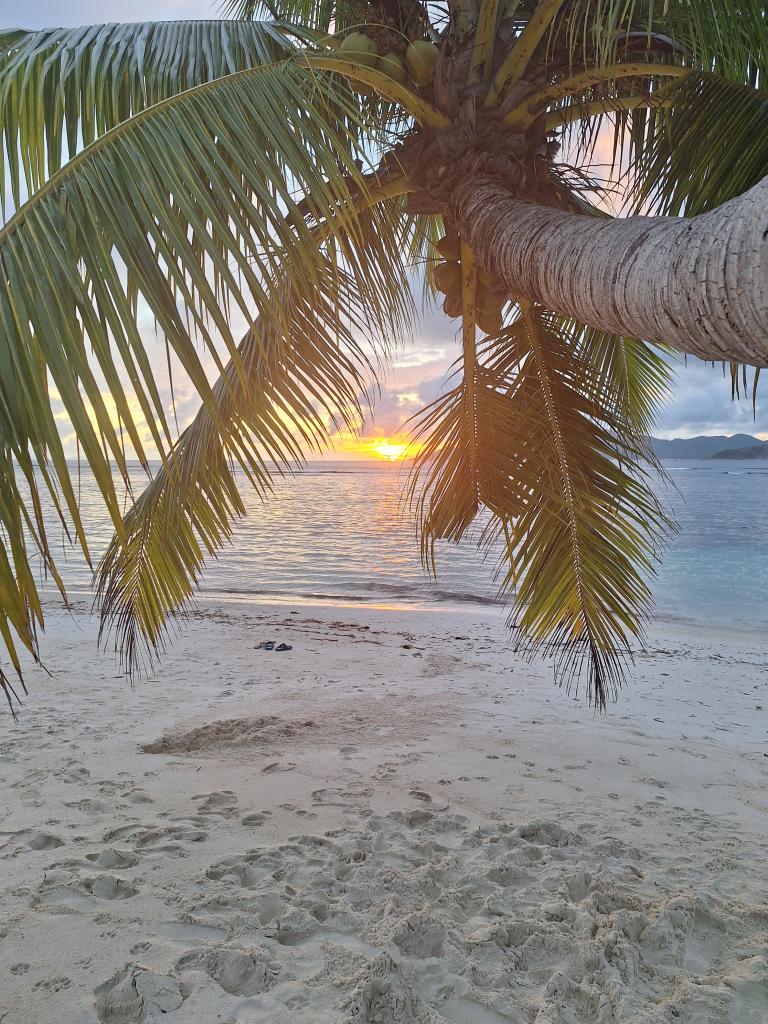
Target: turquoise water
column 336, row 531
column 716, row 567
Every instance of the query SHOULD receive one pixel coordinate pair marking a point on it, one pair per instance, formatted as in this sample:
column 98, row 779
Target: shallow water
column 336, row 531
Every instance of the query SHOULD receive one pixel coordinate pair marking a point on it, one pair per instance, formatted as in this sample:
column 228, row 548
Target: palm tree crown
column 295, row 165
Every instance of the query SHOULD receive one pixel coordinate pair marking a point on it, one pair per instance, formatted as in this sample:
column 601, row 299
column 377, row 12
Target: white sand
column 398, row 823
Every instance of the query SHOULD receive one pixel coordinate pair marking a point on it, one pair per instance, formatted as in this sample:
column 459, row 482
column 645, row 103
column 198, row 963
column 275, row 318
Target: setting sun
column 389, row 449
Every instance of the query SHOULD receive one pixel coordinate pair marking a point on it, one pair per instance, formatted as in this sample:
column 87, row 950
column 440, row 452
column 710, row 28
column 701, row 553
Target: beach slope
column 397, row 821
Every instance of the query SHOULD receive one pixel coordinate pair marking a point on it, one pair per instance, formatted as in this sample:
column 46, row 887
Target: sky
column 701, row 402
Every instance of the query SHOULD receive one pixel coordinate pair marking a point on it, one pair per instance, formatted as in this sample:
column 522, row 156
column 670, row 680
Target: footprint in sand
column 221, row 803
column 43, row 841
column 345, row 798
column 420, row 935
column 135, row 995
column 74, row 774
column 160, row 838
column 113, row 858
column 138, row 796
column 434, row 803
column 59, row 984
column 89, row 806
column 64, row 889
column 240, row 972
column 255, row 819
column 278, row 766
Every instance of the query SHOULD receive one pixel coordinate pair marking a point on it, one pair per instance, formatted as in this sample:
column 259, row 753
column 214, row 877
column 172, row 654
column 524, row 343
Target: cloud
column 701, row 403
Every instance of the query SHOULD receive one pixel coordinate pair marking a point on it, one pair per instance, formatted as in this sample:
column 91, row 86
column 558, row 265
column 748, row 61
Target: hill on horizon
column 706, row 447
column 753, row 451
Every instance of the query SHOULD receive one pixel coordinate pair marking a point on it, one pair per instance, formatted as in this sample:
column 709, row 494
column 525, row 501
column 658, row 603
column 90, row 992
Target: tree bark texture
column 698, row 284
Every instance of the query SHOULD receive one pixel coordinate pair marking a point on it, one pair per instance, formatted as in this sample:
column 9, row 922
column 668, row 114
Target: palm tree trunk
column 698, row 284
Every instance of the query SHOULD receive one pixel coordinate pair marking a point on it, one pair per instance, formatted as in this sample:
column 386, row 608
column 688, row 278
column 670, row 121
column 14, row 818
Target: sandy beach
column 398, row 821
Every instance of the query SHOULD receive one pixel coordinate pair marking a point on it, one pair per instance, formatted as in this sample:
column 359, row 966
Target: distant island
column 753, row 451
column 721, row 446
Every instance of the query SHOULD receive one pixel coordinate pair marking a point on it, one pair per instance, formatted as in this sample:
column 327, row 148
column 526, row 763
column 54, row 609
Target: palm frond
column 194, row 208
column 636, row 377
column 320, row 16
column 547, row 458
column 710, row 35
column 20, row 609
column 62, row 88
column 710, row 145
column 300, row 382
column 580, row 554
column 297, row 386
column 471, row 458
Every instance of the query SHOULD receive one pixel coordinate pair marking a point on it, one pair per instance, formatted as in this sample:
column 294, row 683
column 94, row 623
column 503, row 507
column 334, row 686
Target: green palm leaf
column 299, row 382
column 192, row 208
column 711, row 35
column 326, row 16
column 543, row 450
column 471, row 457
column 709, row 146
column 636, row 377
column 579, row 556
column 62, row 88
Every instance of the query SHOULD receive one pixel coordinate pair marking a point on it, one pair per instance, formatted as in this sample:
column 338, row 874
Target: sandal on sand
column 284, row 647
column 265, row 645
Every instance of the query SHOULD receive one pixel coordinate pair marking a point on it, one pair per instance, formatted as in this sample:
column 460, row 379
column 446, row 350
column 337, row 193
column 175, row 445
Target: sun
column 388, row 449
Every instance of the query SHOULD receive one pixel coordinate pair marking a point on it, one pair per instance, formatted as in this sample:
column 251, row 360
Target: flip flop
column 265, row 645
column 284, row 647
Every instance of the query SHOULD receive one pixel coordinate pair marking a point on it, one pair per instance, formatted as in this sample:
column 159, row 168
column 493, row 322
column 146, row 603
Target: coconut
column 447, row 276
column 452, row 304
column 421, row 58
column 489, row 320
column 449, row 247
column 360, row 48
column 391, row 65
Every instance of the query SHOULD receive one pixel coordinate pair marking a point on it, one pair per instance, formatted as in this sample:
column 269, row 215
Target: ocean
column 336, row 532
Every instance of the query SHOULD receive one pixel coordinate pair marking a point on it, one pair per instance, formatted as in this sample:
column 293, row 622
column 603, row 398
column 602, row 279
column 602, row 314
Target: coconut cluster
column 417, row 63
column 491, row 294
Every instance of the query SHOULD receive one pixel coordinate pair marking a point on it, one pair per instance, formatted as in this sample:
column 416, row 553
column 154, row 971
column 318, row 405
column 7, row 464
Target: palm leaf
column 549, row 463
column 183, row 209
column 297, row 385
column 319, row 16
column 324, row 16
column 295, row 389
column 709, row 146
column 471, row 457
column 579, row 556
column 636, row 377
column 711, row 35
column 62, row 88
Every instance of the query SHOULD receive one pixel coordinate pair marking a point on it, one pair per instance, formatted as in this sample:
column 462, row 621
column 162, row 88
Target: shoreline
column 398, row 821
column 658, row 626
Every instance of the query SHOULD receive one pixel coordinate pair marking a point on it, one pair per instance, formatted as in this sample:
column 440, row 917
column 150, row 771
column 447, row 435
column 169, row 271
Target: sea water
column 338, row 531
